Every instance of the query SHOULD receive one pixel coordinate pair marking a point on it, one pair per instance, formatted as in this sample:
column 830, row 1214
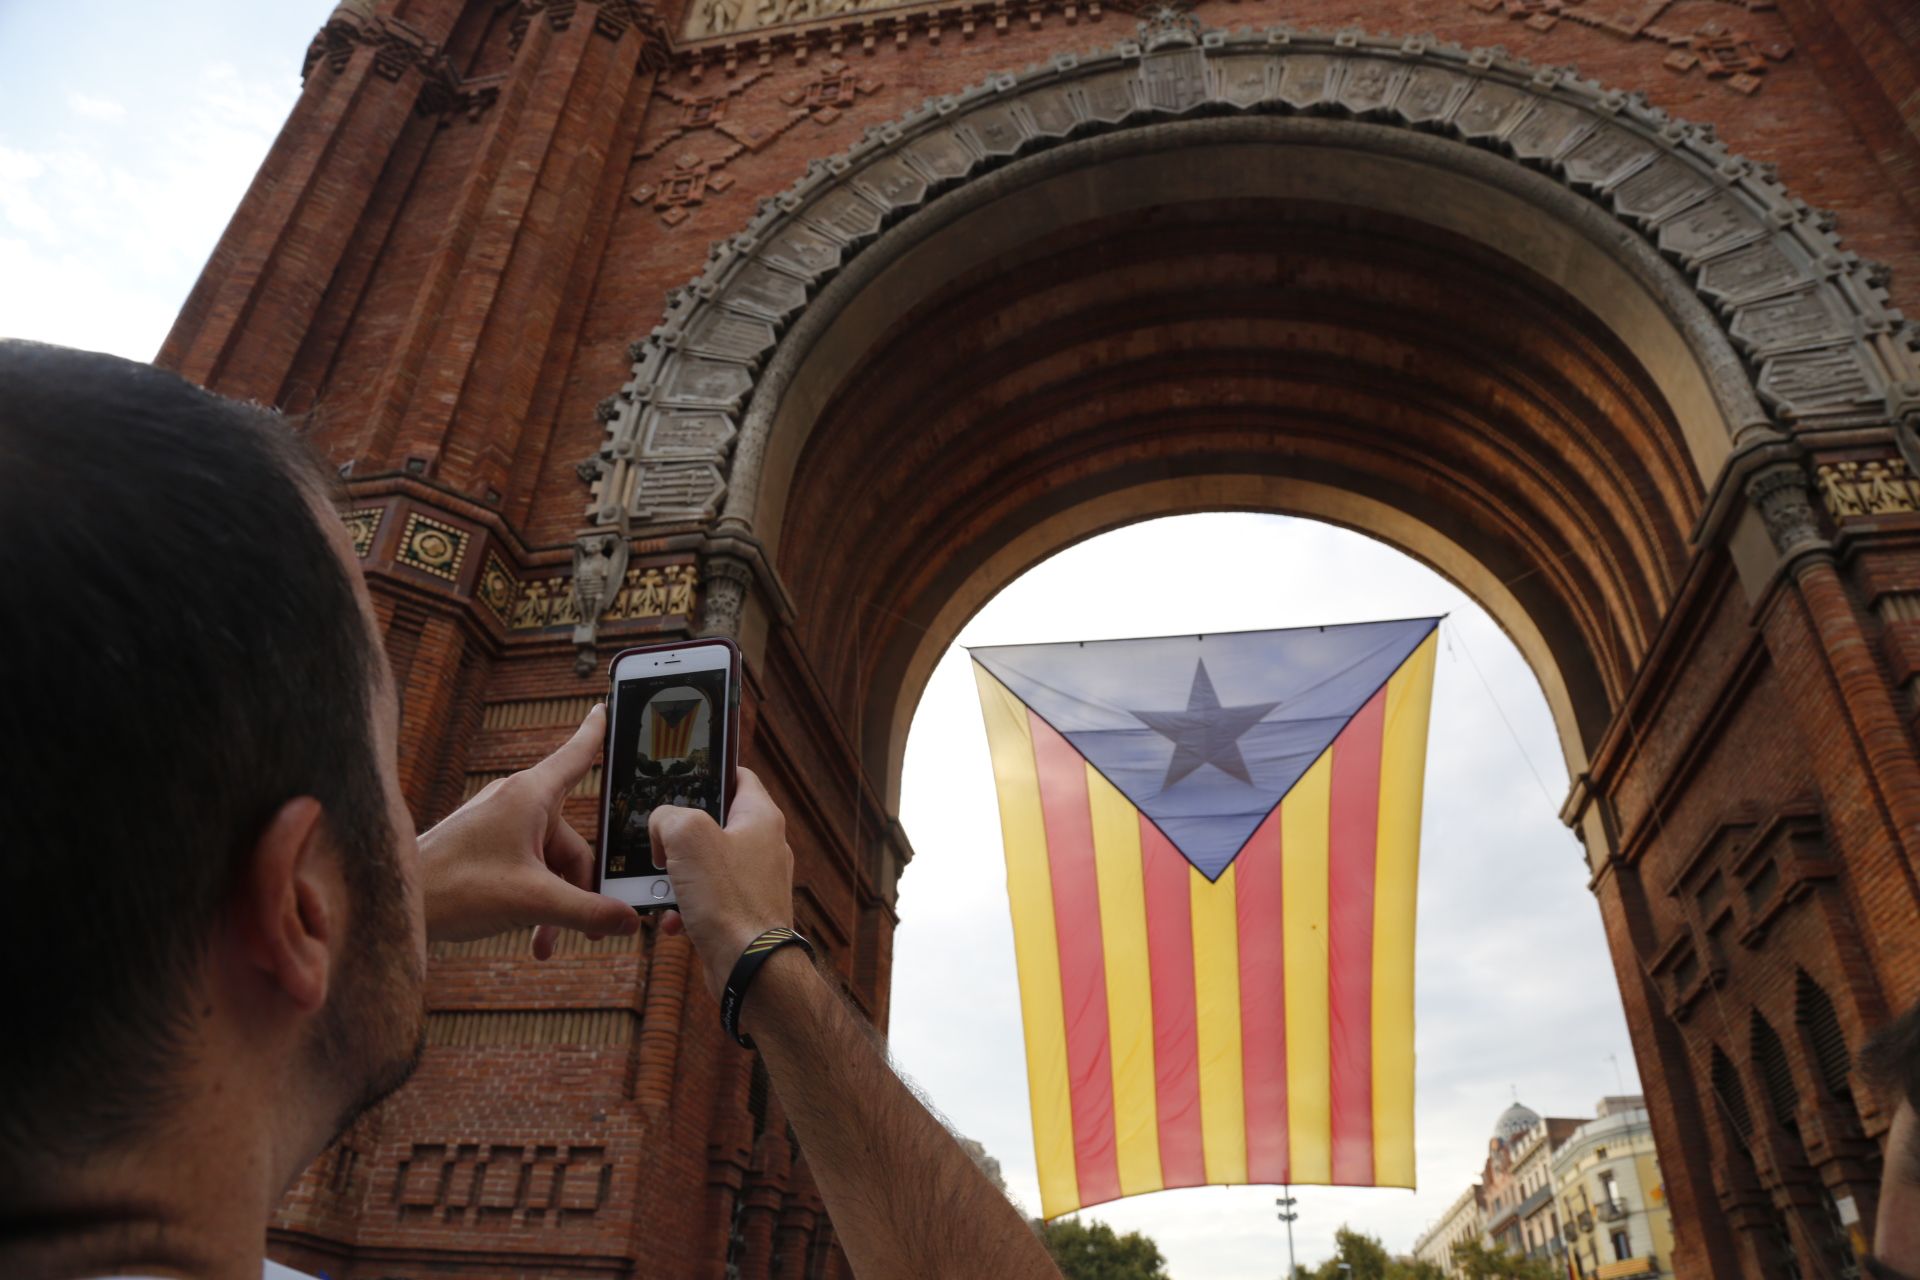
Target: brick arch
column 1780, row 324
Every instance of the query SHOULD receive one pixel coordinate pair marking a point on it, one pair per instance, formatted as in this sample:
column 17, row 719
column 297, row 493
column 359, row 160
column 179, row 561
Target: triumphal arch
column 815, row 322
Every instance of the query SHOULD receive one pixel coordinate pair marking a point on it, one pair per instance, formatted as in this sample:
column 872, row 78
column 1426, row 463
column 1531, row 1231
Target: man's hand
column 507, row 859
column 732, row 885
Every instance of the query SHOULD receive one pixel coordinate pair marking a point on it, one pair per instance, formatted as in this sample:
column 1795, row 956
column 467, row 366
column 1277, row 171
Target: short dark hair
column 185, row 654
column 1890, row 1062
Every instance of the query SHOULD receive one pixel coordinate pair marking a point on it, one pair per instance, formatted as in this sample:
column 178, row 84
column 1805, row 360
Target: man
column 1891, row 1063
column 213, row 963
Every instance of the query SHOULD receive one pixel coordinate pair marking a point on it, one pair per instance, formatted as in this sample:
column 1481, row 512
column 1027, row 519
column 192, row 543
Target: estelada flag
column 673, row 721
column 1212, row 844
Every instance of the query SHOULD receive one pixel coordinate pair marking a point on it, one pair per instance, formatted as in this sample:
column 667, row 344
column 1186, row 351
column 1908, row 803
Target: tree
column 1094, row 1251
column 1478, row 1262
column 1359, row 1256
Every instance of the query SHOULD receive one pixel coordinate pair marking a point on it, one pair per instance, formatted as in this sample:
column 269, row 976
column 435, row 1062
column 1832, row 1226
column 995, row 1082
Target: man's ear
column 290, row 905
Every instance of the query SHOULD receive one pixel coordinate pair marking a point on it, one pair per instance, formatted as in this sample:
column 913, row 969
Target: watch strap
column 744, row 971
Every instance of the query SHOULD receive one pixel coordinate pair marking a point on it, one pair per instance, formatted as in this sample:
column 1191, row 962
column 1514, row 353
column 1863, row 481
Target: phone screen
column 669, row 747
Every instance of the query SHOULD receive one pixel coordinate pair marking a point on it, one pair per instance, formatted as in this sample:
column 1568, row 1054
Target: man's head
column 1891, row 1064
column 204, row 850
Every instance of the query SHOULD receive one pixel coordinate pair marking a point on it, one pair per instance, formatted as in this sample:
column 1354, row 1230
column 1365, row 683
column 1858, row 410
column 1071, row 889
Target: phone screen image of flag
column 673, row 720
column 1212, row 845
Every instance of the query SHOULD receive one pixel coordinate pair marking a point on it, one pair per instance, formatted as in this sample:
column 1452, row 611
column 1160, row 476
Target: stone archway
column 1626, row 489
column 1788, row 327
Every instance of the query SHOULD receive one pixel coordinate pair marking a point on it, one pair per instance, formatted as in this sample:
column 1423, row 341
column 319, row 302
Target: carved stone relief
column 707, row 119
column 1732, row 55
column 1872, row 487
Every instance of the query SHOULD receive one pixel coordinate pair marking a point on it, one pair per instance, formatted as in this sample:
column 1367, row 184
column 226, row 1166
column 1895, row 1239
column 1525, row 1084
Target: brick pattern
column 473, row 212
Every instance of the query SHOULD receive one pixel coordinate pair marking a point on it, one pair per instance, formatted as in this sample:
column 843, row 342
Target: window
column 1622, row 1246
column 1609, row 1189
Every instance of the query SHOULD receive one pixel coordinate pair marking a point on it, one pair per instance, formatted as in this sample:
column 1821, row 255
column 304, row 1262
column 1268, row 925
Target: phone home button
column 660, row 889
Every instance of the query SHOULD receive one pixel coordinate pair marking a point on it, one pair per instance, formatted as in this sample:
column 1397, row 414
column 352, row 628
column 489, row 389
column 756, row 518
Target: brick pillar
column 1863, row 755
column 243, row 324
column 521, row 247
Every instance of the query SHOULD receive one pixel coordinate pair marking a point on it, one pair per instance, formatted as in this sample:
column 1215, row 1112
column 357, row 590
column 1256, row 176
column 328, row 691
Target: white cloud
column 106, row 220
column 92, row 108
column 1514, row 983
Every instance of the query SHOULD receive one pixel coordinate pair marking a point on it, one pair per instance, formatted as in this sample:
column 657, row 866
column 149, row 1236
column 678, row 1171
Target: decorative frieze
column 1870, row 487
column 645, row 593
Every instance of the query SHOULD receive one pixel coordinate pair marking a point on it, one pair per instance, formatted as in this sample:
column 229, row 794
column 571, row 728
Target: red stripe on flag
column 1263, row 1002
column 1354, row 822
column 1166, row 880
column 1083, row 972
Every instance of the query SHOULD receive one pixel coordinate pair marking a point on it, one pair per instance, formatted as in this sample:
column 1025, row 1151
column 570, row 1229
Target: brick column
column 244, row 321
column 523, row 239
column 1862, row 754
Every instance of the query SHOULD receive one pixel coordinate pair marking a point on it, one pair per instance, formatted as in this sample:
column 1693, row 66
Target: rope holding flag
column 1212, row 845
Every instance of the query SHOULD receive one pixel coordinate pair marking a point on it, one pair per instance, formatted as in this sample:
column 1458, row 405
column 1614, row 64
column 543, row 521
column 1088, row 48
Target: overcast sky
column 128, row 133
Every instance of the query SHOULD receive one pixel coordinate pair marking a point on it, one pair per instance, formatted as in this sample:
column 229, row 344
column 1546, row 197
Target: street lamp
column 1288, row 1216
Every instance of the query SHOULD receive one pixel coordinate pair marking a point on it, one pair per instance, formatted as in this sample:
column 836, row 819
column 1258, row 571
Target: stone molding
column 1818, row 339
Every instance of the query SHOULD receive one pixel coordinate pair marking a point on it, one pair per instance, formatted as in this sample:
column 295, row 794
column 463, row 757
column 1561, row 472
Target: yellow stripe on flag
column 1123, row 932
column 1403, row 760
column 1303, row 907
column 1036, row 948
column 1216, row 988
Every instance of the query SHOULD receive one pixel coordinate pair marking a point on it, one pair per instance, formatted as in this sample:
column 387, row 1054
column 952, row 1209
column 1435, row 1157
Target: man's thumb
column 595, row 913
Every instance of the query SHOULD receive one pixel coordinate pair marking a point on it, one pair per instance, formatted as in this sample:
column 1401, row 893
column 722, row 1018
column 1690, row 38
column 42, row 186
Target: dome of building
column 1514, row 1122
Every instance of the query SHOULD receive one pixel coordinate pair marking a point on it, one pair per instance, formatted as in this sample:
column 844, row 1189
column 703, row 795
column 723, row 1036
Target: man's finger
column 671, row 923
column 751, row 803
column 544, row 939
column 570, row 763
column 570, row 856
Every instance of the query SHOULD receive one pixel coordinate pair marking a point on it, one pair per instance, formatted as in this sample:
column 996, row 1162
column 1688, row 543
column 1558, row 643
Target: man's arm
column 904, row 1199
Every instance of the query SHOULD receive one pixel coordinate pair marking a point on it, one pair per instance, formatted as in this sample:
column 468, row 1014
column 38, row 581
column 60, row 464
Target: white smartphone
column 673, row 715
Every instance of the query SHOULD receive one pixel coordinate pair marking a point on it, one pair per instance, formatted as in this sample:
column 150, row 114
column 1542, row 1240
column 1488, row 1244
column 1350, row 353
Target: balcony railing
column 1628, row 1269
column 1613, row 1211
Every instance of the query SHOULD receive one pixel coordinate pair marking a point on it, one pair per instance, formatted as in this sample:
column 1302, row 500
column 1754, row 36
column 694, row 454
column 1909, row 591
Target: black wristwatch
column 743, row 973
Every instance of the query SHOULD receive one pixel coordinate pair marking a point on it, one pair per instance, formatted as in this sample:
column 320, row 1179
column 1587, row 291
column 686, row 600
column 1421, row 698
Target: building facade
column 1612, row 1200
column 1463, row 1222
column 815, row 325
column 1518, row 1180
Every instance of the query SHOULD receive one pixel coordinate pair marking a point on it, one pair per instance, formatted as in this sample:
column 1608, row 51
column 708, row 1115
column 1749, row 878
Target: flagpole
column 1287, row 1215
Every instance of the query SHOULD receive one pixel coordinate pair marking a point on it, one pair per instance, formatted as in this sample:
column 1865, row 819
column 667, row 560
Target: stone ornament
column 599, row 568
column 1785, row 503
column 432, row 547
column 363, row 524
column 497, row 589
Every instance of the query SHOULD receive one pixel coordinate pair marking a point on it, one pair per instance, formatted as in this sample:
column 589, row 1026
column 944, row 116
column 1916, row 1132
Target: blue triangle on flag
column 1206, row 734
